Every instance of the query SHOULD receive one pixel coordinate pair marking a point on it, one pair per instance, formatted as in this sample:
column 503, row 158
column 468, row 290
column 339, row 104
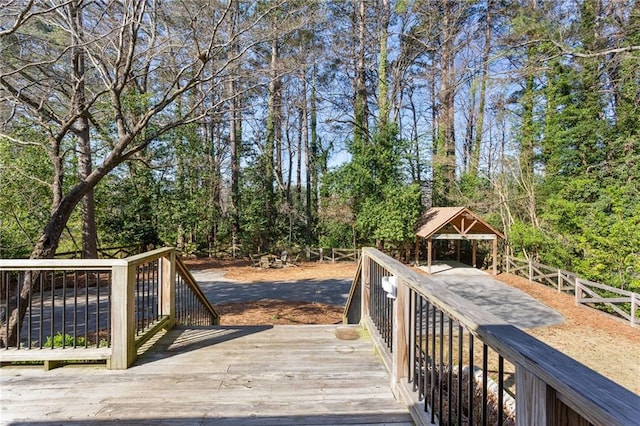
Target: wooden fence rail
column 452, row 362
column 118, row 252
column 323, row 254
column 624, row 304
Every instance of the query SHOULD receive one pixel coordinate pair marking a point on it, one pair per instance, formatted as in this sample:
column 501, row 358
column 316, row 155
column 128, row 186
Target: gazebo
column 456, row 223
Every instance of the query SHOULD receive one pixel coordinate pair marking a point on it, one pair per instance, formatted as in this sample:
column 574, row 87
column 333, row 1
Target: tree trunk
column 234, row 139
column 45, row 248
column 81, row 131
column 360, row 132
column 477, row 144
column 311, row 162
column 275, row 110
column 272, row 169
column 234, row 132
column 417, row 169
column 303, row 139
column 383, row 83
column 445, row 155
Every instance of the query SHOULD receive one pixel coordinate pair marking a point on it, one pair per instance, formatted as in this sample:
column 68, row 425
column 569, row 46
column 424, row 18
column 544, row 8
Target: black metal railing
column 61, row 308
column 148, row 294
column 380, row 306
column 458, row 381
column 453, row 362
column 191, row 306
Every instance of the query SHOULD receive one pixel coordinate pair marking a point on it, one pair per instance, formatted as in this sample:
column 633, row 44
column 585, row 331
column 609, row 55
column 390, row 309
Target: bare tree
column 133, row 92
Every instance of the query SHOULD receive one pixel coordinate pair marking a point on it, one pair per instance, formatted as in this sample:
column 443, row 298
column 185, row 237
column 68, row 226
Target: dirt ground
column 606, row 344
column 272, row 312
column 603, row 343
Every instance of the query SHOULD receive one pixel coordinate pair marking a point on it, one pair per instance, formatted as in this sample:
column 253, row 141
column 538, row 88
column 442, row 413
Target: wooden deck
column 281, row 375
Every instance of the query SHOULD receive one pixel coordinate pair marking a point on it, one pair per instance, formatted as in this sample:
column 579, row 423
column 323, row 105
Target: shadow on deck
column 249, row 375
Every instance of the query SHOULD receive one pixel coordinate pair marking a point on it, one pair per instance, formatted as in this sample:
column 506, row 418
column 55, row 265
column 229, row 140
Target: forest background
column 271, row 124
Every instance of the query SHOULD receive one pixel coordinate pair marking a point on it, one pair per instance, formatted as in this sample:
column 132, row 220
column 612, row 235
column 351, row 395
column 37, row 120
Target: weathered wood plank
column 55, row 354
column 464, row 237
column 281, row 375
column 587, row 283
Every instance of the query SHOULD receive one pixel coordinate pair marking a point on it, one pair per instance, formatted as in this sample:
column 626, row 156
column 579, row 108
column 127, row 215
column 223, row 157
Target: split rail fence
column 331, row 254
column 452, row 362
column 622, row 303
column 61, row 310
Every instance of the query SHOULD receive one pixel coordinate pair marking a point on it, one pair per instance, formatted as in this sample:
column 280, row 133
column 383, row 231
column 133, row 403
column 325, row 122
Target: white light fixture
column 390, row 285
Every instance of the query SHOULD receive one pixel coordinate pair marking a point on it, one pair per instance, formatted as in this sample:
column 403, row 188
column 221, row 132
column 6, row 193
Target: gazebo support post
column 429, row 252
column 495, row 256
column 458, row 250
column 474, row 249
column 417, row 250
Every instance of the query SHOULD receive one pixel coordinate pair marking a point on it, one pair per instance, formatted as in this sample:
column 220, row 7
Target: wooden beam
column 465, row 231
column 400, row 339
column 495, row 256
column 429, row 251
column 458, row 230
column 534, row 400
column 464, row 237
column 365, row 285
column 123, row 319
column 474, row 249
column 167, row 300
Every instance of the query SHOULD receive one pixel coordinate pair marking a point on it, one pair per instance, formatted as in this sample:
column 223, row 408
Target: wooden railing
column 331, row 254
column 622, row 303
column 81, row 310
column 352, row 312
column 452, row 362
column 118, row 252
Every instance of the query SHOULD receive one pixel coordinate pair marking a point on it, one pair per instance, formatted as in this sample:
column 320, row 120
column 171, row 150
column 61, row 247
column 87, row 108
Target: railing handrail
column 574, row 382
column 357, row 281
column 101, row 251
column 148, row 256
column 59, row 264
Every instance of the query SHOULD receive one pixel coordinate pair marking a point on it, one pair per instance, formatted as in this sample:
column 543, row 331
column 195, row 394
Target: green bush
column 67, row 340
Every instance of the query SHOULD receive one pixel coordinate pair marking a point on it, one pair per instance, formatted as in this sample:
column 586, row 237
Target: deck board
column 282, row 375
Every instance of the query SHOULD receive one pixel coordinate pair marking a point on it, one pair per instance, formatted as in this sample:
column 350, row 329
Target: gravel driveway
column 506, row 302
column 219, row 289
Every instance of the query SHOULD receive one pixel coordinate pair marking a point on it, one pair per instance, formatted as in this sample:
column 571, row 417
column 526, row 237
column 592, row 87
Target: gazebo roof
column 453, row 220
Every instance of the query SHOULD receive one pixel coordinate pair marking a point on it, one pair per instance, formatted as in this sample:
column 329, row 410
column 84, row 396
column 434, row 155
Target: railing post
column 123, row 317
column 634, row 304
column 508, row 263
column 168, row 295
column 532, row 399
column 495, row 255
column 399, row 343
column 530, row 271
column 365, row 286
column 577, row 291
column 559, row 281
